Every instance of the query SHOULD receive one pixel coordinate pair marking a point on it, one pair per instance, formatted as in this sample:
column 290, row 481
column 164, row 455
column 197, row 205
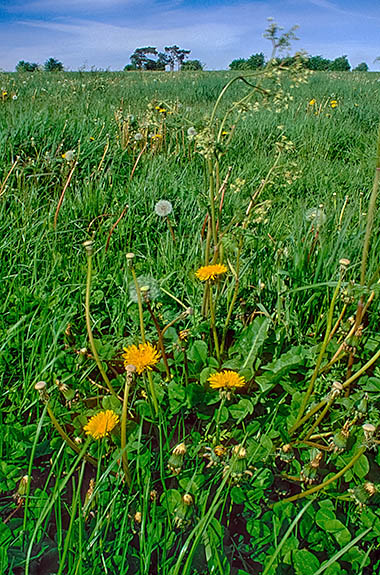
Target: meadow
column 189, row 323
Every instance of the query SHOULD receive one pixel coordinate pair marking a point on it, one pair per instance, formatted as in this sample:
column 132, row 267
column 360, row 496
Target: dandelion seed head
column 191, row 132
column 143, row 281
column 163, row 208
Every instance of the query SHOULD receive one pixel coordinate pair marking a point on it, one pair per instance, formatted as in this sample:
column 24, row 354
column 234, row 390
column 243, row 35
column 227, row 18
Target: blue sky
column 103, row 33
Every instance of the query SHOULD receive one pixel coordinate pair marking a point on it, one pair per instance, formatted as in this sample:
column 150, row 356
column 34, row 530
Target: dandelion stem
column 213, row 326
column 321, row 354
column 123, row 439
column 88, row 322
column 160, row 338
column 328, row 481
column 139, row 303
column 370, row 215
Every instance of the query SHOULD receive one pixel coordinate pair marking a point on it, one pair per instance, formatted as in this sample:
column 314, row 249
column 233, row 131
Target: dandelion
column 142, row 357
column 312, row 102
column 191, row 132
column 210, row 272
column 149, row 281
column 69, row 155
column 101, row 424
column 316, row 215
column 138, row 137
column 333, row 103
column 14, row 97
column 163, row 208
column 226, row 379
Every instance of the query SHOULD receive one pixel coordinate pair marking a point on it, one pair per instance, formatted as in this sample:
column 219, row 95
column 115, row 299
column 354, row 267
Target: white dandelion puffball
column 163, row 208
column 191, row 132
column 69, row 155
column 144, row 281
column 138, row 137
column 316, row 215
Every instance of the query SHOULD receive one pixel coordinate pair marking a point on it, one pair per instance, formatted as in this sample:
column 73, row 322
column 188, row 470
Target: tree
column 192, row 65
column 318, row 63
column 362, row 67
column 256, row 61
column 23, row 66
column 280, row 41
column 238, row 64
column 140, row 60
column 53, row 65
column 175, row 55
column 340, row 64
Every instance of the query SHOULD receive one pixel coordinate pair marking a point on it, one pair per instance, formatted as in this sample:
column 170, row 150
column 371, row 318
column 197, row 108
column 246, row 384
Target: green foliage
column 53, row 65
column 340, row 64
column 318, row 63
column 192, row 65
column 221, row 505
column 362, row 67
column 23, row 66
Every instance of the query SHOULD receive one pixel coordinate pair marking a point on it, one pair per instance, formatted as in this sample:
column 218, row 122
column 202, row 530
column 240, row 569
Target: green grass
column 288, row 272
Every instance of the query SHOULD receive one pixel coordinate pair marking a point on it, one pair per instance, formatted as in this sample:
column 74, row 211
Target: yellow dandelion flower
column 333, row 103
column 142, row 357
column 162, row 110
column 226, row 378
column 101, row 424
column 205, row 273
column 312, row 102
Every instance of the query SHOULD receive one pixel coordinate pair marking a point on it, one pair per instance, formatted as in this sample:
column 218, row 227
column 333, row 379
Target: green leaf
column 241, row 409
column 251, row 340
column 305, row 563
column 177, row 396
column 273, row 372
column 361, row 467
column 198, row 353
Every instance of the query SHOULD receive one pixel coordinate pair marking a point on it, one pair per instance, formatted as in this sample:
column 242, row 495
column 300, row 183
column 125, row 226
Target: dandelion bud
column 336, row 390
column 188, row 499
column 88, row 246
column 363, row 493
column 129, row 257
column 239, row 451
column 145, row 292
column 344, row 262
column 138, row 517
column 369, row 432
column 339, row 440
column 41, row 388
column 176, row 459
column 362, row 406
column 23, row 486
column 153, row 495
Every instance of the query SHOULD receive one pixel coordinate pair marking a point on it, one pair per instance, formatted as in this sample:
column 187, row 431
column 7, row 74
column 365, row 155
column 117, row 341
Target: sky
column 104, row 33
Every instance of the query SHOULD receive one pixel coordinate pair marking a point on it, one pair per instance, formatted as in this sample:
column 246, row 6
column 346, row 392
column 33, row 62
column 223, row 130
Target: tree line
column 316, row 63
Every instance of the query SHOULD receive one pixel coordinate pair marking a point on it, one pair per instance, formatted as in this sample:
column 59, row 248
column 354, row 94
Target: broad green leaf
column 361, row 467
column 198, row 353
column 305, row 563
column 251, row 340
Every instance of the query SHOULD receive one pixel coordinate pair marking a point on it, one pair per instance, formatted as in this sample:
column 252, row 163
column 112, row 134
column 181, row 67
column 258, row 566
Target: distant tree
column 340, row 64
column 23, row 66
column 318, row 63
column 192, row 65
column 256, row 61
column 129, row 67
column 238, row 64
column 139, row 58
column 53, row 65
column 280, row 41
column 175, row 55
column 362, row 67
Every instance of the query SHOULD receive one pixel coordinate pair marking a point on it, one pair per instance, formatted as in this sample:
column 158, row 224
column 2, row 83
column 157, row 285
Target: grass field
column 276, row 185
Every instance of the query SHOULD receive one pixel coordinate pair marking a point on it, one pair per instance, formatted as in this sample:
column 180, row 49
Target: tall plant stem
column 346, row 384
column 321, row 354
column 88, row 247
column 212, row 204
column 233, row 299
column 328, row 481
column 213, row 324
column 123, row 439
column 370, row 215
column 139, row 303
column 160, row 338
column 67, row 439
